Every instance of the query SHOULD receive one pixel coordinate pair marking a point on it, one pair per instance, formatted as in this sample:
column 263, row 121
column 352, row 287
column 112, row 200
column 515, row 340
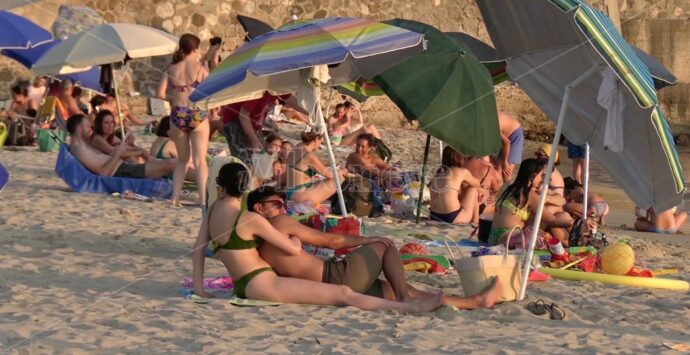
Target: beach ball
column 617, row 259
column 413, row 248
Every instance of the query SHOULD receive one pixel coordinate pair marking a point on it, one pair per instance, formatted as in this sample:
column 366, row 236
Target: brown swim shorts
column 359, row 270
column 132, row 171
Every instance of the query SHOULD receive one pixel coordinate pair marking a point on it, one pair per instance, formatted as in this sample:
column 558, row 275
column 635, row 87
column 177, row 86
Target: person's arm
column 322, row 239
column 134, row 119
column 360, row 117
column 315, row 163
column 163, row 87
column 106, row 169
column 505, row 152
column 199, row 260
column 99, row 143
column 262, row 228
column 468, row 179
column 382, row 165
column 248, row 129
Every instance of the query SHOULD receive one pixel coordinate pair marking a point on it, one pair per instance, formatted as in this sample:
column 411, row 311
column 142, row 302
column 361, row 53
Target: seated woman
column 105, row 140
column 279, row 165
column 666, row 222
column 518, row 202
column 342, row 129
column 21, row 104
column 237, row 235
column 454, row 191
column 302, row 165
column 164, row 148
column 557, row 190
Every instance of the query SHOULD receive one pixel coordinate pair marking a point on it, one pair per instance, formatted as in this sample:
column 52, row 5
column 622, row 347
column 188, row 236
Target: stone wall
column 660, row 28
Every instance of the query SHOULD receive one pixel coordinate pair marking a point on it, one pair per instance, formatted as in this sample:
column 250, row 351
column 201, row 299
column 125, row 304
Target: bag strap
column 450, row 252
column 522, row 234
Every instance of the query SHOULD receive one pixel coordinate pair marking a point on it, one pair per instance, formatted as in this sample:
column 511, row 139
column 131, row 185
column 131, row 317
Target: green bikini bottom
column 241, row 284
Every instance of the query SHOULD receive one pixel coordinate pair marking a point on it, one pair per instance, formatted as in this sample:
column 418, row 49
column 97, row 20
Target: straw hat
column 546, row 149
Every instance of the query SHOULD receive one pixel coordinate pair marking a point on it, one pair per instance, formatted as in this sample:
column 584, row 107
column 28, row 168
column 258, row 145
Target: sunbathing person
column 80, row 131
column 454, row 191
column 346, row 130
column 574, row 196
column 237, row 235
column 359, row 270
column 490, row 182
column 164, row 148
column 518, row 203
column 21, row 104
column 666, row 222
column 365, row 162
column 280, row 165
column 66, row 98
column 302, row 166
column 105, row 140
column 556, row 189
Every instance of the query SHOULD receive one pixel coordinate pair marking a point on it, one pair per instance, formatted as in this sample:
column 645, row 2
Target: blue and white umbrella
column 17, row 32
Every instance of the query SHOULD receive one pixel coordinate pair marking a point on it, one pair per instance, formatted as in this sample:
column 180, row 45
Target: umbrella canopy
column 104, row 44
column 448, row 90
column 558, row 41
column 253, row 27
column 662, row 77
column 73, row 19
column 28, row 57
column 352, row 48
column 485, row 53
column 10, row 4
column 20, row 33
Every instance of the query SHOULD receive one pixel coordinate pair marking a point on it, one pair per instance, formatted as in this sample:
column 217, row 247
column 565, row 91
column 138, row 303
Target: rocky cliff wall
column 662, row 28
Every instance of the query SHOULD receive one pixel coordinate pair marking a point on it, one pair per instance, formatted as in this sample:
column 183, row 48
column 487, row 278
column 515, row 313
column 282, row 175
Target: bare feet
column 488, row 297
column 426, row 305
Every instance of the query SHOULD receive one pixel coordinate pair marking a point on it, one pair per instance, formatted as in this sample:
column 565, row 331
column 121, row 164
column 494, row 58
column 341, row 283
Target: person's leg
column 156, row 169
column 199, row 140
column 469, row 201
column 643, row 226
column 270, row 287
column 577, row 169
column 316, row 193
column 392, row 268
column 486, row 299
column 181, row 140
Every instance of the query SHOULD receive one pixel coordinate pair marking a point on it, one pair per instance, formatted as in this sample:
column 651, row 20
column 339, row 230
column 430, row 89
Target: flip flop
column 555, row 312
column 537, row 307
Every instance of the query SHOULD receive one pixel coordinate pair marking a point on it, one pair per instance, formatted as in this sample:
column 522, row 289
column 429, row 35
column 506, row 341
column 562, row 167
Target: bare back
column 183, row 77
column 303, row 266
column 445, row 188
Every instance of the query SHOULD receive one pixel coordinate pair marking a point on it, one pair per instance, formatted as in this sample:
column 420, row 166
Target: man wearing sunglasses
column 359, row 270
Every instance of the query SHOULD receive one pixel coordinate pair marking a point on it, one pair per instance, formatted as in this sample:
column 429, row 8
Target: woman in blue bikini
column 237, row 233
column 302, row 165
column 189, row 127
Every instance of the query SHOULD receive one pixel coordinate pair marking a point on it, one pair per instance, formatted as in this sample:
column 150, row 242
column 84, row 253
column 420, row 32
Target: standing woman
column 189, row 127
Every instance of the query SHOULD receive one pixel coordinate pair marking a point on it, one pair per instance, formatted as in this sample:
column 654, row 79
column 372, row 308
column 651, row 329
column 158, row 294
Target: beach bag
column 17, row 133
column 476, row 273
column 3, row 133
column 360, row 198
column 49, row 140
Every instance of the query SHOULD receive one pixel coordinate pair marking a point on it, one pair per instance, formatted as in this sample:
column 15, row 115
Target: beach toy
column 440, row 259
column 617, row 259
column 659, row 283
column 413, row 248
column 661, row 272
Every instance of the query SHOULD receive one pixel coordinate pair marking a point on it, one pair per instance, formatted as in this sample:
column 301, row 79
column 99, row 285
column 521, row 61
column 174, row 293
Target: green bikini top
column 234, row 242
column 522, row 213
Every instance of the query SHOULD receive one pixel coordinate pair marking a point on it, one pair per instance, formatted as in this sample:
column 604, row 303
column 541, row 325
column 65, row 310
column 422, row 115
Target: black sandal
column 555, row 312
column 537, row 307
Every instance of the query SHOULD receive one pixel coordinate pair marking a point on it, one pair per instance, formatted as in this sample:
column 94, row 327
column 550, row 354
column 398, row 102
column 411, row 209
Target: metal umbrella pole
column 421, row 183
column 117, row 101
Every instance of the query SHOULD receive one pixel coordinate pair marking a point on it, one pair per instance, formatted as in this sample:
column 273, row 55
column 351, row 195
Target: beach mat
column 242, row 302
column 4, row 177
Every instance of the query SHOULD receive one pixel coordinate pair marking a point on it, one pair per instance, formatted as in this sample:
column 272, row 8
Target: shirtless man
column 68, row 101
column 512, row 138
column 366, row 163
column 490, row 182
column 359, row 270
column 80, row 131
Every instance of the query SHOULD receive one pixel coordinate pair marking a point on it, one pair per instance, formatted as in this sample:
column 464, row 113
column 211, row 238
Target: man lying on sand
column 81, row 130
column 359, row 270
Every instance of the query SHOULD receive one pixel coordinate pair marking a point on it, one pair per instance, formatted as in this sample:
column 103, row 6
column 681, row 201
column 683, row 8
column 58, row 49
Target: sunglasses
column 275, row 203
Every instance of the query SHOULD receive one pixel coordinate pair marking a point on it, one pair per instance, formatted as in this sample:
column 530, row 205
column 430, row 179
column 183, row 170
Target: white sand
column 93, row 273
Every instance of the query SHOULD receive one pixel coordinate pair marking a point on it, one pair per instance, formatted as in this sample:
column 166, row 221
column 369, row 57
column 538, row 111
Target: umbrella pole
column 547, row 178
column 117, row 102
column 440, row 150
column 421, row 178
column 585, row 183
column 331, row 156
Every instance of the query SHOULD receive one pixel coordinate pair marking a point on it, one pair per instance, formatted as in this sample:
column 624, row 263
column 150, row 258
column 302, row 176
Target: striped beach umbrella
column 572, row 62
column 352, row 48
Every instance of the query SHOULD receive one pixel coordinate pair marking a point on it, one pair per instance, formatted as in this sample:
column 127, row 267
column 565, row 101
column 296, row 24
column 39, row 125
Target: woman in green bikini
column 518, row 202
column 238, row 233
column 164, row 148
column 302, row 165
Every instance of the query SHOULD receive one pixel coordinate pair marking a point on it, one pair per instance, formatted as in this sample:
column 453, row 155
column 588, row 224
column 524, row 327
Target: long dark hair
column 234, row 179
column 450, row 158
column 519, row 189
column 188, row 43
column 98, row 124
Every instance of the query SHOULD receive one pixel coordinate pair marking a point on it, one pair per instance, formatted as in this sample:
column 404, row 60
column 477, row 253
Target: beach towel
column 4, row 177
column 80, row 179
column 245, row 302
column 425, row 264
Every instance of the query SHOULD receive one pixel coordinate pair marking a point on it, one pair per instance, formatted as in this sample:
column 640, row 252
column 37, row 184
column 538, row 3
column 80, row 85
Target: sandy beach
column 86, row 273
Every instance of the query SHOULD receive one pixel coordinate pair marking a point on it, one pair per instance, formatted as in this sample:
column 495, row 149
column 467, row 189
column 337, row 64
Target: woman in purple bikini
column 189, row 128
column 454, row 191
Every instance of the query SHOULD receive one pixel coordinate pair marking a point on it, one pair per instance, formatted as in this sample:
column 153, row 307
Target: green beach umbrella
column 447, row 90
